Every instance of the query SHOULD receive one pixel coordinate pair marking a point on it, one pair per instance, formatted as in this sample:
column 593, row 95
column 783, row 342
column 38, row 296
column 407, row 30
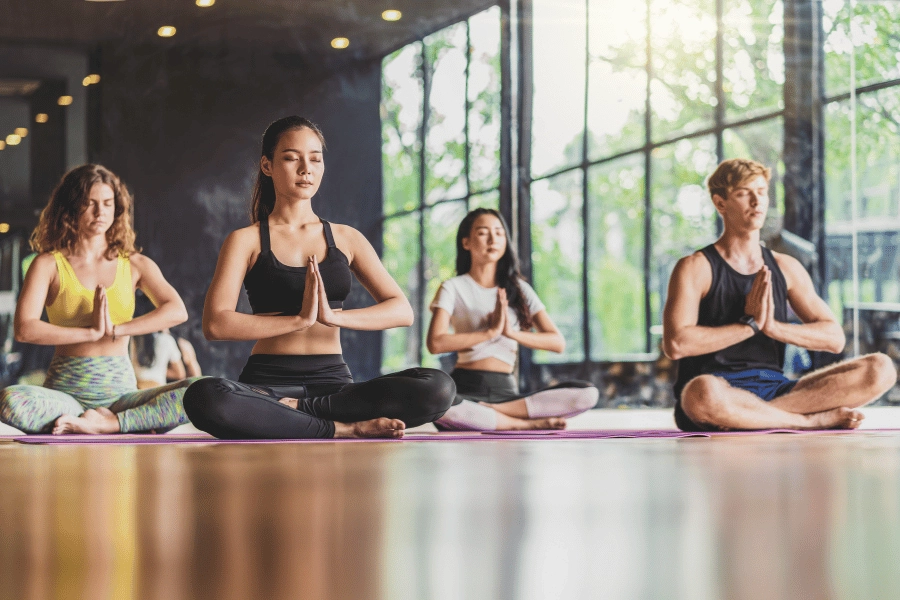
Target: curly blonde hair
column 733, row 172
column 57, row 228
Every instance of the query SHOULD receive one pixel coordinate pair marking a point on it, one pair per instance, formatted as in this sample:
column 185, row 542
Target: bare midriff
column 318, row 339
column 495, row 365
column 104, row 347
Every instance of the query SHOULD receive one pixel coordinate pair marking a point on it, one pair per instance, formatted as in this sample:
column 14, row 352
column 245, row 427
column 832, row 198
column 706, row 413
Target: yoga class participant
column 492, row 310
column 297, row 270
column 86, row 275
column 725, row 322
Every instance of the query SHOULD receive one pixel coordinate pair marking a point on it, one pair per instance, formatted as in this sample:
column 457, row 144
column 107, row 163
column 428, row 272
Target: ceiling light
column 205, row 3
column 340, row 43
column 166, row 31
column 4, row 227
column 2, row 144
column 86, row 81
column 391, row 15
column 64, row 100
column 21, row 132
column 41, row 118
column 94, row 78
column 13, row 139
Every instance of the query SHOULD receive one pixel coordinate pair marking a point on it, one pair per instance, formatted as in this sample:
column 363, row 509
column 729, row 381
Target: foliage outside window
column 441, row 155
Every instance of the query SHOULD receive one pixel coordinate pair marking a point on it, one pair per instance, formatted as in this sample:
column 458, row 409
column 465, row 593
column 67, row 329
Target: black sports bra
column 273, row 287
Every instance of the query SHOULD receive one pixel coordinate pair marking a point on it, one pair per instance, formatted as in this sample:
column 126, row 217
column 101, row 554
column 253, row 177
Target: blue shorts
column 766, row 384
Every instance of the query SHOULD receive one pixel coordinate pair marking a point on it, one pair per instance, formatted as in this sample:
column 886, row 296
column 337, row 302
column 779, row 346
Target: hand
column 768, row 326
column 756, row 305
column 310, row 308
column 101, row 315
column 325, row 314
column 498, row 320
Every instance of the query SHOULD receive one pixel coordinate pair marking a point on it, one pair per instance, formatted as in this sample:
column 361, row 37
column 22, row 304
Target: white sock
column 561, row 402
column 469, row 416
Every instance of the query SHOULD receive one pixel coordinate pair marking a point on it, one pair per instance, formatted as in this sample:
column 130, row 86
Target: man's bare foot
column 836, row 418
column 292, row 402
column 507, row 423
column 91, row 421
column 376, row 428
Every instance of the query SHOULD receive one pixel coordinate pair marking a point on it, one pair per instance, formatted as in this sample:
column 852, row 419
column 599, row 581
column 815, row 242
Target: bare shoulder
column 142, row 263
column 350, row 239
column 694, row 266
column 792, row 269
column 43, row 261
column 692, row 275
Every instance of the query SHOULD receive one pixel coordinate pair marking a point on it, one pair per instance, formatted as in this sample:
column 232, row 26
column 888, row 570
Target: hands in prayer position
column 102, row 325
column 760, row 302
column 315, row 307
column 498, row 323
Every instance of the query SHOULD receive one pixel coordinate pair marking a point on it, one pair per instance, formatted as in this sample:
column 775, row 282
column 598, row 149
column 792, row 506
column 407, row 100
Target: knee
column 200, row 396
column 880, row 372
column 586, row 398
column 700, row 398
column 439, row 389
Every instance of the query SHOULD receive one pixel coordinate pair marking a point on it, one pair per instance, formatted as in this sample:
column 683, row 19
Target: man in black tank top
column 725, row 322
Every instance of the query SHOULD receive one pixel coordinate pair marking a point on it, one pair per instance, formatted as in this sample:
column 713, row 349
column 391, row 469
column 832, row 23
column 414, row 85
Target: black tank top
column 724, row 305
column 273, row 287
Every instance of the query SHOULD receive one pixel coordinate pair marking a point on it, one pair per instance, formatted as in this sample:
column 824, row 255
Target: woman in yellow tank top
column 85, row 276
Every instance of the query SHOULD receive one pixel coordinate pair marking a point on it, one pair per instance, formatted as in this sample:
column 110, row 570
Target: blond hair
column 733, row 172
column 57, row 228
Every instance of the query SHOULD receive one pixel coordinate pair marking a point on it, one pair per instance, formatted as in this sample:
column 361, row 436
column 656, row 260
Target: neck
column 739, row 243
column 91, row 247
column 294, row 212
column 484, row 274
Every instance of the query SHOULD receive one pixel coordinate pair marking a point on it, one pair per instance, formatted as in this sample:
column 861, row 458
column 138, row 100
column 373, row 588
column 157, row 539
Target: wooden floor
column 761, row 517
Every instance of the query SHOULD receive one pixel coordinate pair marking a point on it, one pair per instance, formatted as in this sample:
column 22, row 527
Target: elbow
column 22, row 335
column 560, row 345
column 838, row 344
column 212, row 331
column 672, row 349
column 406, row 317
column 432, row 347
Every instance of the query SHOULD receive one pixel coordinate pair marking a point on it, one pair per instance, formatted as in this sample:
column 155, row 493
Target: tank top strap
column 65, row 270
column 265, row 244
column 329, row 237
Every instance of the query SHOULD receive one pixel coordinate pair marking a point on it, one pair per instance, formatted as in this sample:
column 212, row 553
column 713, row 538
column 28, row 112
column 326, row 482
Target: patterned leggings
column 77, row 383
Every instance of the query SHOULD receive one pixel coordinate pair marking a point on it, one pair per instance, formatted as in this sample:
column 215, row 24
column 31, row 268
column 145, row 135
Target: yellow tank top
column 74, row 304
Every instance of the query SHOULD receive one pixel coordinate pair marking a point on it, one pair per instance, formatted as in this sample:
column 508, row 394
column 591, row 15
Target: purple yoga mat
column 474, row 436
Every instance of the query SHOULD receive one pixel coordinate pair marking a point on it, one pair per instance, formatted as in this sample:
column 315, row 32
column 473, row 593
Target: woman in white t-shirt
column 492, row 310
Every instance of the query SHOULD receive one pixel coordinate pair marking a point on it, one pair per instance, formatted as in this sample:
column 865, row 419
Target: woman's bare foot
column 91, row 421
column 836, row 418
column 376, row 428
column 292, row 402
column 507, row 423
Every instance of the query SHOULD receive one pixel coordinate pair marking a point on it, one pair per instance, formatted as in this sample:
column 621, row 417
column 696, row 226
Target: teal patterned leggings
column 77, row 383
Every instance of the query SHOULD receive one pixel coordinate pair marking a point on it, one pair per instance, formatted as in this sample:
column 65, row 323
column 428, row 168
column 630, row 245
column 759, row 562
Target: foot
column 836, row 418
column 376, row 428
column 91, row 421
column 292, row 402
column 507, row 423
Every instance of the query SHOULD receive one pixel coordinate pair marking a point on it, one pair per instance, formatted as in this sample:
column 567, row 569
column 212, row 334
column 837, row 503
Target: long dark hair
column 263, row 201
column 508, row 275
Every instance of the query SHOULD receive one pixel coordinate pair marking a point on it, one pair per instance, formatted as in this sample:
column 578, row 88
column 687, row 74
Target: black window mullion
column 585, row 211
column 468, row 148
column 648, row 205
column 423, row 134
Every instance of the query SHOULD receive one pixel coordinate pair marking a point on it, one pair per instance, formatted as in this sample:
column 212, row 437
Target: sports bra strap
column 328, row 235
column 265, row 243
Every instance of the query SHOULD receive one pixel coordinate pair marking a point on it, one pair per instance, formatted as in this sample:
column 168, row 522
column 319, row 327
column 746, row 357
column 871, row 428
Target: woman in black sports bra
column 297, row 270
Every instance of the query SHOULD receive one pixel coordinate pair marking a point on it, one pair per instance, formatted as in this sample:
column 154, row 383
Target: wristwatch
column 748, row 320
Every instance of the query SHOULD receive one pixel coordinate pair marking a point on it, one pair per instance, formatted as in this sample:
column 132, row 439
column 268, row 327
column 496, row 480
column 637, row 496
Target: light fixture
column 391, row 15
column 13, row 140
column 4, row 227
column 64, row 100
column 21, row 132
column 205, row 3
column 2, row 144
column 41, row 118
column 340, row 43
column 166, row 31
column 94, row 78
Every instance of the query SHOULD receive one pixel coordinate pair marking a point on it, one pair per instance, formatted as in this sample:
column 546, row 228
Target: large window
column 441, row 153
column 634, row 105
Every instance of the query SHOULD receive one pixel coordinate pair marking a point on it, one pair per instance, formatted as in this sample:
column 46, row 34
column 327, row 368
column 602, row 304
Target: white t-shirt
column 471, row 306
column 165, row 350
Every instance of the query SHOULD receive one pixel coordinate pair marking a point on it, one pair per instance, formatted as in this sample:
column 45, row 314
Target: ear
column 265, row 165
column 719, row 202
column 465, row 243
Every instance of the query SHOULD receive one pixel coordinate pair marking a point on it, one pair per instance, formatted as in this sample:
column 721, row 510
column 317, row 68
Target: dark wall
column 182, row 128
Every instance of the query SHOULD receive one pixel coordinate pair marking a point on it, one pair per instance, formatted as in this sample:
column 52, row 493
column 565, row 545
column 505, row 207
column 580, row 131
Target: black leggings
column 324, row 388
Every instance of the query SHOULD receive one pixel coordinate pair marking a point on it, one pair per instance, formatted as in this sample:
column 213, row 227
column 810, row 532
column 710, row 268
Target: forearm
column 395, row 312
column 229, row 325
column 822, row 336
column 44, row 334
column 697, row 340
column 539, row 340
column 162, row 317
column 456, row 342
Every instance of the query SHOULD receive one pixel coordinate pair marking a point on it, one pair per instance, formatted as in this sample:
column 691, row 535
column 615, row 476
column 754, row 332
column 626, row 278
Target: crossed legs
column 825, row 399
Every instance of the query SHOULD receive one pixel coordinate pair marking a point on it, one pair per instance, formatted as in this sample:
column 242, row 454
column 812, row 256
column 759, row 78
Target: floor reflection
column 750, row 517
